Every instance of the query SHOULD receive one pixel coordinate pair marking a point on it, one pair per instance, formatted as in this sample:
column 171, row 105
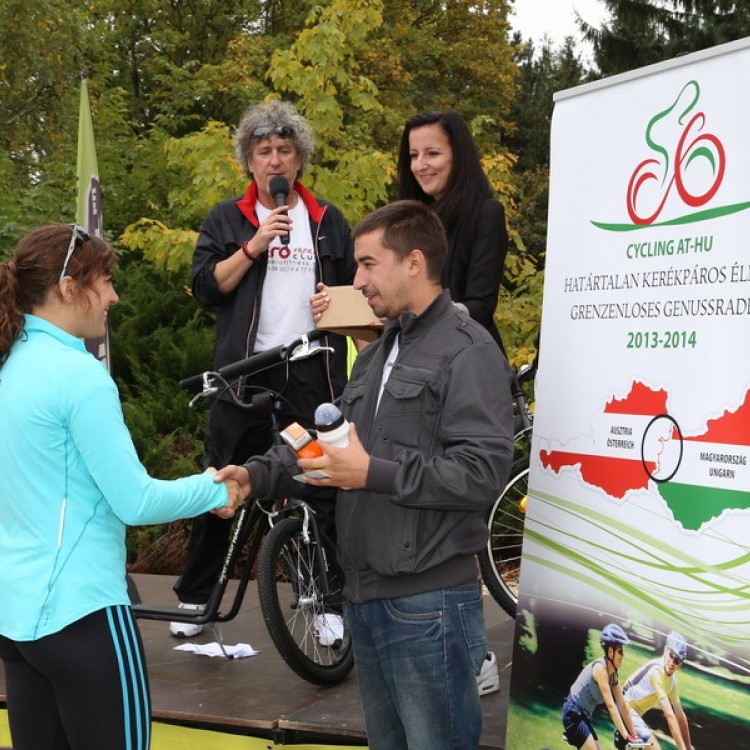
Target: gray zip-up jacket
column 441, row 447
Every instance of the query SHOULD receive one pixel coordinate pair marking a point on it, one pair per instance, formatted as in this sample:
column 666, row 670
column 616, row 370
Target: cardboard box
column 350, row 315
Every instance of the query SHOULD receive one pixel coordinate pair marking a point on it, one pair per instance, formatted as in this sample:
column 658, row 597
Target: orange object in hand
column 311, row 450
column 301, row 441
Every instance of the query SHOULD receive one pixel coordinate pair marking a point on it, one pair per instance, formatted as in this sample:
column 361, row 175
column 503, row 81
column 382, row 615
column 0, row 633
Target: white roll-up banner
column 638, row 507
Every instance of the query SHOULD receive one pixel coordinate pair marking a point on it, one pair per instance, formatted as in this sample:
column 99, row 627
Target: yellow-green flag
column 89, row 208
column 89, row 213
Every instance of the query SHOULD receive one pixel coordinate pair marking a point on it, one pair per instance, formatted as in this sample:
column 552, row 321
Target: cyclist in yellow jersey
column 654, row 685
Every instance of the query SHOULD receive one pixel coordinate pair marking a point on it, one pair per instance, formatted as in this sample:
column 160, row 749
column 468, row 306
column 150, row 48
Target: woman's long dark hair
column 468, row 185
column 34, row 272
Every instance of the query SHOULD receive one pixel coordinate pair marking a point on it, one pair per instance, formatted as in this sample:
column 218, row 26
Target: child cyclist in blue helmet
column 654, row 685
column 597, row 684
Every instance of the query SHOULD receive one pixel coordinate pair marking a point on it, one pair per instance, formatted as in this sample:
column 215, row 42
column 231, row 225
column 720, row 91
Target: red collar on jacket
column 246, row 204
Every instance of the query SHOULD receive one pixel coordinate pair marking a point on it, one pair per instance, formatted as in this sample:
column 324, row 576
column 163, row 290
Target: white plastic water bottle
column 331, row 425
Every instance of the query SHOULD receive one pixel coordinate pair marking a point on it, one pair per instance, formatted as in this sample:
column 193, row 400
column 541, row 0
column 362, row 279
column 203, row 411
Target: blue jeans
column 417, row 660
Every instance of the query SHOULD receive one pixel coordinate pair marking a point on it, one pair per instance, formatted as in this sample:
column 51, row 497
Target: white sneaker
column 186, row 629
column 488, row 680
column 328, row 629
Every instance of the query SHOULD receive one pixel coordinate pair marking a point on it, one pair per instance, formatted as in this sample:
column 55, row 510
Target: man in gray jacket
column 430, row 448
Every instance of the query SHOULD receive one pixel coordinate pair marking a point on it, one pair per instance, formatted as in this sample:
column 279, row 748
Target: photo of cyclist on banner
column 654, row 686
column 597, row 685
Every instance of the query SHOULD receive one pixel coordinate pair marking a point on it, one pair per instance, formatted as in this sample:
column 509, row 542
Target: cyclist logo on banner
column 686, row 168
column 694, row 170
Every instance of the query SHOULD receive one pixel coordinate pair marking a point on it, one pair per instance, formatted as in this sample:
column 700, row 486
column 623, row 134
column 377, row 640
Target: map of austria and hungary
column 640, row 446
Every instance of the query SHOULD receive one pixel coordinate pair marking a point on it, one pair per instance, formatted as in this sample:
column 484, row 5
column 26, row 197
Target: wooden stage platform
column 260, row 697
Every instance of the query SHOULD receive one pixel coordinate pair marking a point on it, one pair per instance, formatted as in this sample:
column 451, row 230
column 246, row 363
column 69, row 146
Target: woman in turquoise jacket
column 70, row 482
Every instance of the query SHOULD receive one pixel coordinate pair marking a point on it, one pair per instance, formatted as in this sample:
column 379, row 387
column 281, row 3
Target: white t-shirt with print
column 285, row 311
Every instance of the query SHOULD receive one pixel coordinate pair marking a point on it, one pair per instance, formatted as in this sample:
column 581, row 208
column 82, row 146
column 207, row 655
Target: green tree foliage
column 158, row 336
column 642, row 32
column 441, row 55
column 202, row 171
column 168, row 57
column 38, row 67
column 323, row 72
column 168, row 82
column 355, row 69
column 543, row 72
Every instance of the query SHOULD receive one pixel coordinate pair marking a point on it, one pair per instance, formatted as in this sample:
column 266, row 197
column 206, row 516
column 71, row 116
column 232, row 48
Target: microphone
column 279, row 189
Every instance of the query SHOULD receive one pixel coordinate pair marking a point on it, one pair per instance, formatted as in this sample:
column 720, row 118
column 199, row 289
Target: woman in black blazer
column 438, row 165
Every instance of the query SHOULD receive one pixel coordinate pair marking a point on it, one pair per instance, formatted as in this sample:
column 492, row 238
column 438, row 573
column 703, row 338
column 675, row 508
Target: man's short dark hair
column 407, row 226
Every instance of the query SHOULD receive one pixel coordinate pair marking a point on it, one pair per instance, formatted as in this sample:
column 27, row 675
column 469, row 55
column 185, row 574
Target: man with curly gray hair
column 272, row 116
column 264, row 268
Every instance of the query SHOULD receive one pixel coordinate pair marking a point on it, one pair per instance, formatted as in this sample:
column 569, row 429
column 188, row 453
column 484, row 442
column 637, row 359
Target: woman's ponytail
column 11, row 315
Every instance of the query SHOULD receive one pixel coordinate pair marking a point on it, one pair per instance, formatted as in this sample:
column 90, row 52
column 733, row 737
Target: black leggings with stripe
column 84, row 688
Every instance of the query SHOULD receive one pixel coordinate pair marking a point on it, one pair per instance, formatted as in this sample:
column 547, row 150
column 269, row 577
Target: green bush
column 158, row 335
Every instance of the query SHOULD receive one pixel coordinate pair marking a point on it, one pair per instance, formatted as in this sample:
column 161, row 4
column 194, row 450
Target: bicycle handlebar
column 255, row 362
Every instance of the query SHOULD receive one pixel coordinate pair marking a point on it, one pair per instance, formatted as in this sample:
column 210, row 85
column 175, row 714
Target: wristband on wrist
column 246, row 250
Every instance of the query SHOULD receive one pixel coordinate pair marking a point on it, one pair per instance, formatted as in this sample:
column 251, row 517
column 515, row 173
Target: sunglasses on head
column 283, row 131
column 78, row 236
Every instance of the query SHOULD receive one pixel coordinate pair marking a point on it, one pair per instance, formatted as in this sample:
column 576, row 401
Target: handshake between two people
column 343, row 468
column 235, row 496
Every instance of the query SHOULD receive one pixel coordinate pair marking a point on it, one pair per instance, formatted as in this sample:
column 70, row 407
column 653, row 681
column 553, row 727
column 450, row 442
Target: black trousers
column 83, row 688
column 232, row 436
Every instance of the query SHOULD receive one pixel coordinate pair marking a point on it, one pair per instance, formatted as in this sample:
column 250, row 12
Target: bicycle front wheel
column 500, row 560
column 306, row 625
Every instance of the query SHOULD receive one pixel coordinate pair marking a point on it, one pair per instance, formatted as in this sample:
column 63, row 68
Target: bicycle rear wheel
column 500, row 560
column 306, row 626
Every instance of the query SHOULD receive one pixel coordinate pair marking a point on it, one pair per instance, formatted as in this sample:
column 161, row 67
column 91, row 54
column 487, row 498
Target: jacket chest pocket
column 409, row 408
column 354, row 393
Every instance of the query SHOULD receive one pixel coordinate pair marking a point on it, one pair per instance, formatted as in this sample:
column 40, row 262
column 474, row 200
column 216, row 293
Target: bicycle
column 500, row 560
column 299, row 584
column 638, row 744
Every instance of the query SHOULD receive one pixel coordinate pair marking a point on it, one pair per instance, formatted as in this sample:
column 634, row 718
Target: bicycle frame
column 284, row 538
column 249, row 520
column 523, row 417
